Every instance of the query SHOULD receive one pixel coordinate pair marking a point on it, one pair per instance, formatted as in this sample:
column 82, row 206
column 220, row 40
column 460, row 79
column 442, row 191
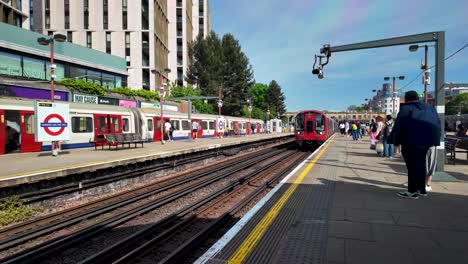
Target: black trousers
column 415, row 159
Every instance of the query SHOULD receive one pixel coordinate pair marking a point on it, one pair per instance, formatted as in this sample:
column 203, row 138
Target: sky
column 280, row 38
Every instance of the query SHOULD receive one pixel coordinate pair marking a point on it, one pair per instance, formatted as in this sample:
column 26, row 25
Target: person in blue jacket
column 416, row 129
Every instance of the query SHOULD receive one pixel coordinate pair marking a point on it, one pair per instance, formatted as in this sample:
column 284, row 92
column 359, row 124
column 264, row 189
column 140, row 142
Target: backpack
column 354, row 127
column 388, row 129
column 374, row 127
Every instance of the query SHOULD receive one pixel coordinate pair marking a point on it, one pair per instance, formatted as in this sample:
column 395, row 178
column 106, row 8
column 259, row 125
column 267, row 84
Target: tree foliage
column 457, row 104
column 275, row 99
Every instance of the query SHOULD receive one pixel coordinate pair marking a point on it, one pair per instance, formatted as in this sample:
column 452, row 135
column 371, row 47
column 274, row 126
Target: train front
column 310, row 129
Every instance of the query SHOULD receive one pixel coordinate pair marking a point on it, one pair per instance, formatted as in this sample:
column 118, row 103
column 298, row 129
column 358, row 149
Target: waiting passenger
column 195, row 126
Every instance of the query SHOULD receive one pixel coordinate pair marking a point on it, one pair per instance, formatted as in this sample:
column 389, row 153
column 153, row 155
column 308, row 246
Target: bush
column 83, row 86
column 12, row 209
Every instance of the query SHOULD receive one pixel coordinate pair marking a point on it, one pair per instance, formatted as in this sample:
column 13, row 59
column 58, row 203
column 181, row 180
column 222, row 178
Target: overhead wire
column 417, row 76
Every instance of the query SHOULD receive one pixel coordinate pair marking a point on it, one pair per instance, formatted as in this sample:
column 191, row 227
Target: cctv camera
column 320, row 75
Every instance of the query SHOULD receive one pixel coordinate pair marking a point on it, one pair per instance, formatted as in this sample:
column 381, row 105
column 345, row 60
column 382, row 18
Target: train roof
column 315, row 111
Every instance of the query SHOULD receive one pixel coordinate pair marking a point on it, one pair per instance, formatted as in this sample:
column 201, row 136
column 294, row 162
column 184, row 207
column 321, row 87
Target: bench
column 99, row 141
column 454, row 145
column 450, row 145
column 118, row 139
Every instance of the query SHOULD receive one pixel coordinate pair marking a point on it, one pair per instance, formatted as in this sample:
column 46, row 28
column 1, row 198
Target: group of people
column 380, row 130
column 356, row 129
column 169, row 130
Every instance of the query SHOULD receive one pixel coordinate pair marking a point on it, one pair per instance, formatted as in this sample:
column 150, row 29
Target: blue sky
column 281, row 37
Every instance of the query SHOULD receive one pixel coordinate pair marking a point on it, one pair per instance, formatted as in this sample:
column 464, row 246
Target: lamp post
column 220, row 105
column 249, row 108
column 394, row 89
column 50, row 41
column 161, row 97
column 268, row 124
column 424, row 66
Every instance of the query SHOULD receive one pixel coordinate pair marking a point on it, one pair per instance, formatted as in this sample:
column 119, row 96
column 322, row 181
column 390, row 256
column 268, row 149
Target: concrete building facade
column 187, row 19
column 15, row 12
column 132, row 29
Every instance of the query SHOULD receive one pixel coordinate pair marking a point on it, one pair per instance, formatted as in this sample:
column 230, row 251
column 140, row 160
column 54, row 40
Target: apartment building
column 15, row 12
column 136, row 30
column 187, row 19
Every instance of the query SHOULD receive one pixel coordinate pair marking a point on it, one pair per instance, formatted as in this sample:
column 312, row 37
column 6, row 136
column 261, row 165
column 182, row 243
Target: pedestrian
column 195, row 126
column 461, row 131
column 342, row 128
column 167, row 130
column 389, row 150
column 416, row 129
column 363, row 129
column 347, row 128
column 358, row 124
column 354, row 131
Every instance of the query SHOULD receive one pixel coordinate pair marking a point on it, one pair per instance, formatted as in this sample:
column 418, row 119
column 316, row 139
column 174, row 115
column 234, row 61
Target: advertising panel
column 52, row 121
column 127, row 103
column 85, row 99
column 108, row 100
column 31, row 93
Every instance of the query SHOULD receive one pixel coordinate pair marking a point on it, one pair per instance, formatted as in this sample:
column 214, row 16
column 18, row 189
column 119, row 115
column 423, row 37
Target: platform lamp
column 249, row 108
column 268, row 119
column 161, row 97
column 50, row 41
column 424, row 66
column 394, row 89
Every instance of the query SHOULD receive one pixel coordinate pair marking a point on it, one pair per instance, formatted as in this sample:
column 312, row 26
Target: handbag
column 379, row 147
column 372, row 143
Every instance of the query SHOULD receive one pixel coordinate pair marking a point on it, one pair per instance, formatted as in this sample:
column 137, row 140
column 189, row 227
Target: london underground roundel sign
column 52, row 121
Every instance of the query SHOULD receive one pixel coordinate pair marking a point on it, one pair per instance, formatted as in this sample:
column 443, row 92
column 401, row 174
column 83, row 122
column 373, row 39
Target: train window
column 185, row 125
column 300, row 122
column 29, row 123
column 116, row 124
column 102, row 124
column 150, row 124
column 81, row 124
column 126, row 124
column 319, row 123
column 175, row 124
column 212, row 126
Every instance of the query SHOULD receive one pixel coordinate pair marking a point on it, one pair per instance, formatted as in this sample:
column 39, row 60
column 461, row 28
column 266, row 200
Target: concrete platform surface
column 346, row 210
column 27, row 167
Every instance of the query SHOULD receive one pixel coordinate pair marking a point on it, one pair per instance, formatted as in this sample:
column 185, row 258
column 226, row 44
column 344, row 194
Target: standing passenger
column 416, row 129
column 195, row 129
column 167, row 130
column 388, row 147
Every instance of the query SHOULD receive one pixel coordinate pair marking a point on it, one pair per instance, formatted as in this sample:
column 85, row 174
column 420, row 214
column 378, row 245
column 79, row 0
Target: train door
column 235, row 127
column 157, row 131
column 28, row 143
column 2, row 132
column 115, row 124
column 100, row 125
column 309, row 120
column 200, row 128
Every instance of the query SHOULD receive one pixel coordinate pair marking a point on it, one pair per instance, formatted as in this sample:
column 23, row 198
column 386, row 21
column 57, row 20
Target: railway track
column 13, row 237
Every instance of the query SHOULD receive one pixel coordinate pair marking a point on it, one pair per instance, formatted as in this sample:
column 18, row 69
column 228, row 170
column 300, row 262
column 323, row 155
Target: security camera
column 320, row 75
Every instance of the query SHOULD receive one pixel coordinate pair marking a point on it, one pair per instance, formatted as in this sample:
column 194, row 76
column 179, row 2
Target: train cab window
column 81, row 124
column 319, row 124
column 300, row 122
column 205, row 124
column 185, row 125
column 115, row 124
column 175, row 124
column 102, row 124
column 150, row 124
column 29, row 123
column 126, row 124
column 211, row 125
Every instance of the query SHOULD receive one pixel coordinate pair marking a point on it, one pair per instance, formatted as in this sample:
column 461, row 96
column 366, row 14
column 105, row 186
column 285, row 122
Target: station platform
column 341, row 206
column 23, row 168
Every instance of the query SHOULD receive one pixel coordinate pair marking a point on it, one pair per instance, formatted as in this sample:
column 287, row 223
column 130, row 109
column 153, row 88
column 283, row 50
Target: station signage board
column 220, row 125
column 85, row 99
column 52, row 121
column 127, row 103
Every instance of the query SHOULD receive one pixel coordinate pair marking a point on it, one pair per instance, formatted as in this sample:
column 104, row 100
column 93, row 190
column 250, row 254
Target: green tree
column 200, row 105
column 457, row 104
column 275, row 99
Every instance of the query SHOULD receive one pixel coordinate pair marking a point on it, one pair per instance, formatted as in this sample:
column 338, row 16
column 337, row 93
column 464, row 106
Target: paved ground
column 370, row 224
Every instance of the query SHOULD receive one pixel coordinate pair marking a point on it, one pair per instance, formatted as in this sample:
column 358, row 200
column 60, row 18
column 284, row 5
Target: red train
column 312, row 128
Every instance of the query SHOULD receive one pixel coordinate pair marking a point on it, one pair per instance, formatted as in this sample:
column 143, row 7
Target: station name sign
column 85, row 99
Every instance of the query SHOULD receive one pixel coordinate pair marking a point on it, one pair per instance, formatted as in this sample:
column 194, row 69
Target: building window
column 145, row 48
column 18, row 20
column 86, row 14
column 89, row 40
column 70, row 36
column 31, row 15
column 67, row 14
column 127, row 48
column 18, row 5
column 124, row 14
column 144, row 14
column 106, row 14
column 50, row 33
column 108, row 42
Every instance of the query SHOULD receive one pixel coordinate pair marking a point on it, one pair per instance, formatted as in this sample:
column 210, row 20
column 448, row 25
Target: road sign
column 52, row 121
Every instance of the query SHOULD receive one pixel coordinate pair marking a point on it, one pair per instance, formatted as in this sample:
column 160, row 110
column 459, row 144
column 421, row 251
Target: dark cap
column 411, row 96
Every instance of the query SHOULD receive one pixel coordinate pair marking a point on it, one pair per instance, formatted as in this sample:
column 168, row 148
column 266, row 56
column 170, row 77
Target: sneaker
column 428, row 188
column 407, row 194
column 405, row 184
column 423, row 193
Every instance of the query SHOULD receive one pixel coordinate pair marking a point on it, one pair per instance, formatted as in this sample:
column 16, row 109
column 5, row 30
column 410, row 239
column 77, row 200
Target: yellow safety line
column 85, row 164
column 260, row 229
